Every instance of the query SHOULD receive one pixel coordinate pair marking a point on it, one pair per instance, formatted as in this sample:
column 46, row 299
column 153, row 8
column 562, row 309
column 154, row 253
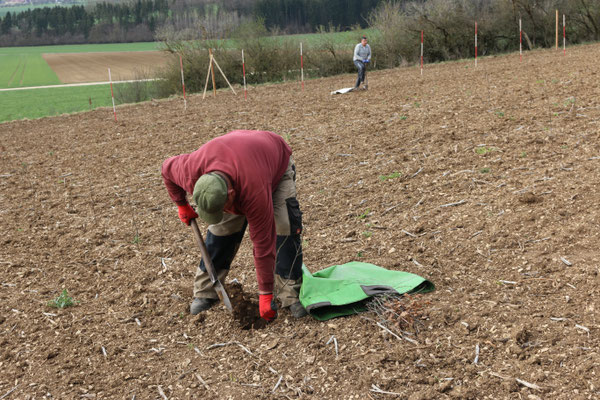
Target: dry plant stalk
column 399, row 312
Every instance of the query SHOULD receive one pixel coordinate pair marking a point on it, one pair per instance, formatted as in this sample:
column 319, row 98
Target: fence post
column 182, row 82
column 112, row 95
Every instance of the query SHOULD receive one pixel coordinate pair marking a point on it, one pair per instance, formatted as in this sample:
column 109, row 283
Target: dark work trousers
column 223, row 241
column 361, row 72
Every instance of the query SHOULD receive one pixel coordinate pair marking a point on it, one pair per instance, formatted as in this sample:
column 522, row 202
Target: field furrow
column 22, row 74
column 93, row 67
column 7, row 66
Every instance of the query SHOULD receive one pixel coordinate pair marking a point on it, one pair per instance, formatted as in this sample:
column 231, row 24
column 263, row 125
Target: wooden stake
column 475, row 43
column 421, row 53
column 212, row 73
column 207, row 77
column 223, row 74
column 182, row 82
column 556, row 29
column 564, row 36
column 112, row 95
column 244, row 72
column 520, row 41
column 301, row 66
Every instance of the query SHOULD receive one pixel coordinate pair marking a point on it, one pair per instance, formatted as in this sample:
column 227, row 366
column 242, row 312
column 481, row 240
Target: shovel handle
column 210, row 268
column 204, row 251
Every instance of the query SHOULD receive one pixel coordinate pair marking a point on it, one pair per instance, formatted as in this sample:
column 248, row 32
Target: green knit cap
column 210, row 195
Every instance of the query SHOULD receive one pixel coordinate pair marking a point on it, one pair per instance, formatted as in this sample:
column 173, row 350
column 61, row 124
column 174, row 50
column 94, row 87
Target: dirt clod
column 530, row 198
column 245, row 309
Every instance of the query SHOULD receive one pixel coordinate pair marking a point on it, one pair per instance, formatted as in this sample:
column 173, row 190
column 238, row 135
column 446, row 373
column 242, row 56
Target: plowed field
column 93, row 67
column 484, row 180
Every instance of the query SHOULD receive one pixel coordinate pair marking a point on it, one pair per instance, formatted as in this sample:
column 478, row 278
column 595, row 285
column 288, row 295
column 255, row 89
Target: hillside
column 484, row 180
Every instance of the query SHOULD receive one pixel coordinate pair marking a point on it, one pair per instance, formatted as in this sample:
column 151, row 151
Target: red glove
column 186, row 214
column 264, row 307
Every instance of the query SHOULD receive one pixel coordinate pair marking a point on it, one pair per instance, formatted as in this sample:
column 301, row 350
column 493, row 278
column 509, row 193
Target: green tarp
column 342, row 289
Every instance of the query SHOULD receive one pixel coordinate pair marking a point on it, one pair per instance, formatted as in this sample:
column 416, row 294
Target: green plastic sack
column 343, row 289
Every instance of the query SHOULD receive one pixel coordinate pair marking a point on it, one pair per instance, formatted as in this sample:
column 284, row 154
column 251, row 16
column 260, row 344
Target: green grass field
column 350, row 38
column 21, row 70
column 340, row 39
column 37, row 103
column 81, row 48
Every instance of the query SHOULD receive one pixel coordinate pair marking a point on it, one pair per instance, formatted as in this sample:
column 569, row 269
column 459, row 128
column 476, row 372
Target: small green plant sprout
column 540, row 81
column 367, row 234
column 417, row 104
column 365, row 214
column 569, row 101
column 523, row 154
column 500, row 113
column 485, row 170
column 136, row 239
column 403, row 117
column 359, row 254
column 191, row 346
column 481, row 150
column 63, row 300
column 393, row 175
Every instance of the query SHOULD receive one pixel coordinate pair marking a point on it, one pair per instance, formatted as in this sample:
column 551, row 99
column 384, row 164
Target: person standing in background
column 362, row 56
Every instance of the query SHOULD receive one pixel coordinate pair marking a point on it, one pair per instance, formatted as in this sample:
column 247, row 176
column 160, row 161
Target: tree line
column 308, row 15
column 104, row 22
column 148, row 20
column 447, row 23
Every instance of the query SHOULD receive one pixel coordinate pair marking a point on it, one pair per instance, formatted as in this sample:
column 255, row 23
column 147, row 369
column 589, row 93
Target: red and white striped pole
column 421, row 53
column 564, row 36
column 244, row 72
column 112, row 95
column 301, row 66
column 520, row 41
column 475, row 43
column 182, row 82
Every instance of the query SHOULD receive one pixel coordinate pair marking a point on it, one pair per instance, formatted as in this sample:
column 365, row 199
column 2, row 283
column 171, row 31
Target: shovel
column 217, row 285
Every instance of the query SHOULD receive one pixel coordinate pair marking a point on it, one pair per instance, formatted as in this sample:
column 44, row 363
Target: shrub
column 142, row 89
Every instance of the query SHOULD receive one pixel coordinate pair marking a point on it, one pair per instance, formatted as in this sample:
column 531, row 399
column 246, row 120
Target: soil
column 93, row 67
column 245, row 307
column 484, row 180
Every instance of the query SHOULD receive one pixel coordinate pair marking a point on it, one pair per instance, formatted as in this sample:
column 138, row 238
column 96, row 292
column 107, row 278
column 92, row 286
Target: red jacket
column 255, row 161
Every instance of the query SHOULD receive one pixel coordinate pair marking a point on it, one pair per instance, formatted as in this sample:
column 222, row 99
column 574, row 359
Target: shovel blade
column 222, row 293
